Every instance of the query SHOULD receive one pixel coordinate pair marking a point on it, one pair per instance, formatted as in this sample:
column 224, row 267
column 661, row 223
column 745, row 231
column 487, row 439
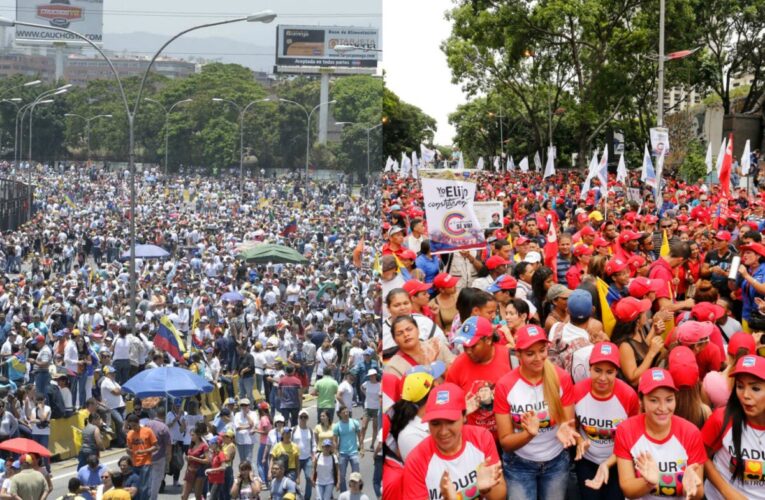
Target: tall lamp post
column 15, row 101
column 167, row 118
column 262, row 17
column 87, row 128
column 242, row 111
column 307, row 128
column 501, row 132
column 368, row 131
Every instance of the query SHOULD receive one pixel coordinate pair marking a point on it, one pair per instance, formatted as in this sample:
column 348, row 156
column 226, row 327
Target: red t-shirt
column 598, row 419
column 682, row 447
column 662, row 270
column 480, row 379
column 425, row 465
column 752, row 453
column 514, row 396
column 217, row 477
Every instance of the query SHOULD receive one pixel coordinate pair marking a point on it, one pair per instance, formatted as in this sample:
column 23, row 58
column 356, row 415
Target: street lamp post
column 501, row 132
column 368, row 131
column 167, row 118
column 87, row 129
column 308, row 128
column 15, row 101
column 242, row 111
column 262, row 17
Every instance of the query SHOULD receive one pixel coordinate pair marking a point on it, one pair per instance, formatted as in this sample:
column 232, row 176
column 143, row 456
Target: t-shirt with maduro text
column 514, row 396
column 425, row 466
column 598, row 418
column 752, row 453
column 681, row 448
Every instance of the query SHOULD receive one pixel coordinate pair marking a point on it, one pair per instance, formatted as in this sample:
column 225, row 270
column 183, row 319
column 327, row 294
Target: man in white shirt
column 111, row 395
column 345, row 392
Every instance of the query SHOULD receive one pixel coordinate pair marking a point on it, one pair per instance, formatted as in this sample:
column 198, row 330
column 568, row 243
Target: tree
column 406, row 126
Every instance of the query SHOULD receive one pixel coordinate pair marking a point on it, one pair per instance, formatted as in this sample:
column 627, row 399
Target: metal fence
column 14, row 202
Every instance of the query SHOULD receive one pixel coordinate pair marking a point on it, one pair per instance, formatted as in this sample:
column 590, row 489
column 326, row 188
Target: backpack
column 561, row 353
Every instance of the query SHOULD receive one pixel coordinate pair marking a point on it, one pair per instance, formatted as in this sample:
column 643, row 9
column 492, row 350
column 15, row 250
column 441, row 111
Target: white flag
column 461, row 163
column 621, row 170
column 496, row 163
column 550, row 166
column 648, row 175
column 415, row 166
column 708, row 159
column 603, row 171
column 415, row 161
column 479, row 165
column 524, row 164
column 510, row 164
column 537, row 162
column 389, row 164
column 746, row 159
column 721, row 155
column 427, row 155
column 395, row 166
column 406, row 166
column 591, row 171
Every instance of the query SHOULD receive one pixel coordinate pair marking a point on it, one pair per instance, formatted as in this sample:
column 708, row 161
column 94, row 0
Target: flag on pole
column 427, row 155
column 593, row 167
column 551, row 247
column 550, row 166
column 606, row 315
column 746, row 159
column 460, row 163
column 510, row 164
column 169, row 340
column 496, row 163
column 415, row 165
column 603, row 171
column 537, row 162
column 389, row 164
column 479, row 165
column 725, row 170
column 708, row 159
column 406, row 166
column 648, row 175
column 621, row 170
column 720, row 156
column 524, row 164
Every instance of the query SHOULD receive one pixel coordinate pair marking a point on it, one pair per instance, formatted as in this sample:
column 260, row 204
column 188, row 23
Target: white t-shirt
column 175, row 429
column 411, row 436
column 325, row 472
column 111, row 401
column 191, row 422
column 372, row 390
column 345, row 391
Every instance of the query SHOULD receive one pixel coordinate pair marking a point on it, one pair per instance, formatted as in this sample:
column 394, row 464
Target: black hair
column 425, row 247
column 623, row 331
column 539, row 294
column 472, row 299
column 403, row 413
column 74, row 485
column 401, row 319
column 118, row 479
column 734, row 415
column 392, row 293
column 520, row 269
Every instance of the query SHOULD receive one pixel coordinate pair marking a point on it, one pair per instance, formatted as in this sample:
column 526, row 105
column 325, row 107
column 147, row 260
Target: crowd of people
column 600, row 345
column 285, row 333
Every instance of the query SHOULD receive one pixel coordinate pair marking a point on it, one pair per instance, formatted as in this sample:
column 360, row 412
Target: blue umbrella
column 147, row 252
column 166, row 381
column 232, row 297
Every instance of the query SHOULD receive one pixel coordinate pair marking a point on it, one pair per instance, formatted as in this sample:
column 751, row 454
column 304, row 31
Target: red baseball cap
column 629, row 308
column 683, row 367
column 650, row 219
column 587, row 231
column 445, row 280
column 413, row 287
column 628, row 235
column 495, row 261
column 692, row 332
column 641, row 286
column 707, row 311
column 521, row 240
column 741, row 340
column 615, row 265
column 407, row 254
column 445, row 402
column 753, row 365
column 582, row 218
column 580, row 250
column 757, row 248
column 528, row 335
column 655, row 378
column 605, row 351
column 722, row 235
column 472, row 330
column 600, row 242
column 504, row 282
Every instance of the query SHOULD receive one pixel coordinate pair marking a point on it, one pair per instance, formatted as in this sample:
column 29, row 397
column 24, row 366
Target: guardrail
column 14, row 203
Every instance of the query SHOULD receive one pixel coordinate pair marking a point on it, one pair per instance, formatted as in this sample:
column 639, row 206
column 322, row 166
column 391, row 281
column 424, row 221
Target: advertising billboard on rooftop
column 83, row 16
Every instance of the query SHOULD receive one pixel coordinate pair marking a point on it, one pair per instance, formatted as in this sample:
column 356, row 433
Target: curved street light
column 262, row 17
column 368, row 130
column 87, row 128
column 308, row 128
column 167, row 117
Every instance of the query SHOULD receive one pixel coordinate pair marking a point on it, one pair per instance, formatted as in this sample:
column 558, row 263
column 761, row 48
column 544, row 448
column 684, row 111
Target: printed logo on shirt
column 466, row 486
column 600, row 430
column 670, row 479
column 484, row 415
column 754, row 463
column 540, row 408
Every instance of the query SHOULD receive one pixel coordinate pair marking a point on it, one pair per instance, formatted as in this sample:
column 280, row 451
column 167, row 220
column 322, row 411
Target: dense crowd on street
column 286, row 334
column 599, row 345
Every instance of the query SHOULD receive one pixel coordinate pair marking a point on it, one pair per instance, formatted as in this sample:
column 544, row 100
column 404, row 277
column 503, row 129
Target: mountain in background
column 213, row 49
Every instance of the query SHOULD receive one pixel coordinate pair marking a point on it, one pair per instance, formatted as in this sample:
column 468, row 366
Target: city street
column 63, row 471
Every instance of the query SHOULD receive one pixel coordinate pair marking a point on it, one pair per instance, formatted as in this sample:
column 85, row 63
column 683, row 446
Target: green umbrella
column 277, row 254
column 324, row 287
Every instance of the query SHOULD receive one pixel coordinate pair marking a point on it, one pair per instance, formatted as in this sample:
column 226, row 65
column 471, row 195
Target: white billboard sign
column 83, row 16
column 314, row 46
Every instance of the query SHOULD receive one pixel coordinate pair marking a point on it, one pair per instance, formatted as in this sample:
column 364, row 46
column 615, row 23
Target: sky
column 415, row 68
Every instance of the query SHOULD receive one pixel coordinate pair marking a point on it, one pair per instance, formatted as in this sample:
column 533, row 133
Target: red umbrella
column 23, row 445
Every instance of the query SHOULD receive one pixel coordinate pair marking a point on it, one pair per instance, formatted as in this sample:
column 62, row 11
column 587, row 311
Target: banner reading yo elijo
column 452, row 222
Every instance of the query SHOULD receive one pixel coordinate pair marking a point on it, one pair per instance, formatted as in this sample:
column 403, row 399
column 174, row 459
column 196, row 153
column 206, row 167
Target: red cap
column 707, row 311
column 587, row 231
column 615, row 265
column 683, row 367
column 692, row 332
column 445, row 280
column 636, row 261
column 600, row 242
column 629, row 308
column 495, row 261
column 445, row 402
column 753, row 365
column 605, row 351
column 504, row 282
column 655, row 378
column 472, row 330
column 628, row 235
column 723, row 235
column 528, row 335
column 580, row 250
column 650, row 219
column 521, row 240
column 40, row 338
column 582, row 218
column 741, row 340
column 640, row 286
column 757, row 248
column 413, row 287
column 407, row 254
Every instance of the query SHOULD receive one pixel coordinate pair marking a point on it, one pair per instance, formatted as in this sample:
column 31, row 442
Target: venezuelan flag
column 69, row 201
column 607, row 316
column 17, row 367
column 169, row 340
column 290, row 228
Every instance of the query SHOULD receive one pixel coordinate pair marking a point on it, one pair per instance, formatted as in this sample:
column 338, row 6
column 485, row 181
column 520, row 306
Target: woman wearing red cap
column 445, row 301
column 659, row 454
column 718, row 385
column 638, row 351
column 534, row 407
column 685, row 373
column 455, row 461
column 418, row 293
column 734, row 437
column 751, row 279
column 411, row 350
column 582, row 255
column 399, row 304
column 601, row 403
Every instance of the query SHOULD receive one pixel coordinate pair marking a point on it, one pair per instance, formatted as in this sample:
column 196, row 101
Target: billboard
column 314, row 46
column 83, row 16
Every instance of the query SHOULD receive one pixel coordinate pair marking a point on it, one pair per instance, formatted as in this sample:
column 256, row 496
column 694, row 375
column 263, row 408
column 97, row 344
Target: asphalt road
column 63, row 471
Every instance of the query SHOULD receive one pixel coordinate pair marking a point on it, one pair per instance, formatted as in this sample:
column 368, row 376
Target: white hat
column 533, row 257
column 371, row 372
column 279, row 418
